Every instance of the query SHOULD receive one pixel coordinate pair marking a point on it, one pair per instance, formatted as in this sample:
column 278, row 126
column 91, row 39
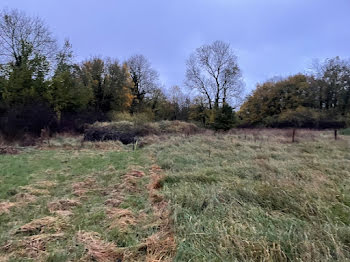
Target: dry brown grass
column 161, row 246
column 45, row 184
column 6, row 206
column 41, row 225
column 121, row 218
column 97, row 249
column 104, row 145
column 33, row 247
column 114, row 201
column 25, row 198
column 129, row 183
column 81, row 188
column 31, row 189
column 63, row 207
column 21, row 200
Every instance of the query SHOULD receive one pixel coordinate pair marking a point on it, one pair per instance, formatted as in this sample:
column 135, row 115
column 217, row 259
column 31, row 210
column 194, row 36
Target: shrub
column 225, row 118
column 127, row 132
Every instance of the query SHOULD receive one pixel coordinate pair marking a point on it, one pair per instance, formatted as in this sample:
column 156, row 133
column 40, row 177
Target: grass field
column 244, row 196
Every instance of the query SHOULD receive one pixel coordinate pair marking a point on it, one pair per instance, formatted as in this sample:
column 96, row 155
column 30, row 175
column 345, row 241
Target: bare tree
column 176, row 96
column 21, row 35
column 213, row 71
column 144, row 77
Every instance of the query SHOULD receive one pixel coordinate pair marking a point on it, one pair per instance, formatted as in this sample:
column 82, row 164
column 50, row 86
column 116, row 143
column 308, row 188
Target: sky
column 270, row 37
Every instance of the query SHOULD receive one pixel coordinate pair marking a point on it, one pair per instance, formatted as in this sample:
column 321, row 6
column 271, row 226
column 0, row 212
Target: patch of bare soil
column 98, row 249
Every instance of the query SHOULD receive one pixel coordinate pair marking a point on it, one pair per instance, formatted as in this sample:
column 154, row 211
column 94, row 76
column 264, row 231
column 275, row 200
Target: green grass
column 345, row 132
column 66, row 167
column 236, row 197
column 258, row 200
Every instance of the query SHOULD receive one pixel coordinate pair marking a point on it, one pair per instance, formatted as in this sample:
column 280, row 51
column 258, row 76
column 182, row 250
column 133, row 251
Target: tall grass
column 254, row 196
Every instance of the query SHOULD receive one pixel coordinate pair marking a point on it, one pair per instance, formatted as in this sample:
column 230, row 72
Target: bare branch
column 213, row 71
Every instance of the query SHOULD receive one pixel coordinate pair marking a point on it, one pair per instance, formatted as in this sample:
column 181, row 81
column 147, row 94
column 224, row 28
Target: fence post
column 335, row 134
column 293, row 136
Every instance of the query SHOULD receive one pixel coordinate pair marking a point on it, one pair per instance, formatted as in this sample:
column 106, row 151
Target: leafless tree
column 213, row 71
column 145, row 78
column 21, row 35
column 176, row 96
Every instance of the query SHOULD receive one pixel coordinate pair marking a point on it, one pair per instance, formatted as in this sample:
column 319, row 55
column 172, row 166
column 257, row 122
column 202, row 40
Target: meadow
column 245, row 195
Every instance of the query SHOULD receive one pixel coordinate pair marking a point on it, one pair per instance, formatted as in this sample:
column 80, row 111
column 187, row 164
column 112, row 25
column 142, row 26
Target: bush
column 303, row 117
column 225, row 118
column 127, row 132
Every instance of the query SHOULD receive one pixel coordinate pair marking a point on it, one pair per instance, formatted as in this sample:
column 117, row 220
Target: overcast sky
column 270, row 37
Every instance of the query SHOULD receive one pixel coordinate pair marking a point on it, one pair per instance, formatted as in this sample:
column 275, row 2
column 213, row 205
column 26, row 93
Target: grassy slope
column 232, row 197
column 258, row 199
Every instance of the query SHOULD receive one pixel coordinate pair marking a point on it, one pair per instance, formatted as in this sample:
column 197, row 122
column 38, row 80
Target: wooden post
column 293, row 136
column 335, row 134
column 134, row 144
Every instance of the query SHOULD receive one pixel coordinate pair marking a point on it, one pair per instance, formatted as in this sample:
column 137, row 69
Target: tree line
column 317, row 100
column 42, row 86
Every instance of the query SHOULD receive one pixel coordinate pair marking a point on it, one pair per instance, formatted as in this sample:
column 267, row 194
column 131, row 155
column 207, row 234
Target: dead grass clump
column 81, row 188
column 45, row 184
column 121, row 218
column 35, row 191
column 39, row 225
column 104, row 145
column 258, row 250
column 160, row 247
column 35, row 246
column 63, row 207
column 5, row 207
column 97, row 249
column 114, row 202
column 135, row 173
column 155, row 184
column 130, row 181
column 24, row 198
